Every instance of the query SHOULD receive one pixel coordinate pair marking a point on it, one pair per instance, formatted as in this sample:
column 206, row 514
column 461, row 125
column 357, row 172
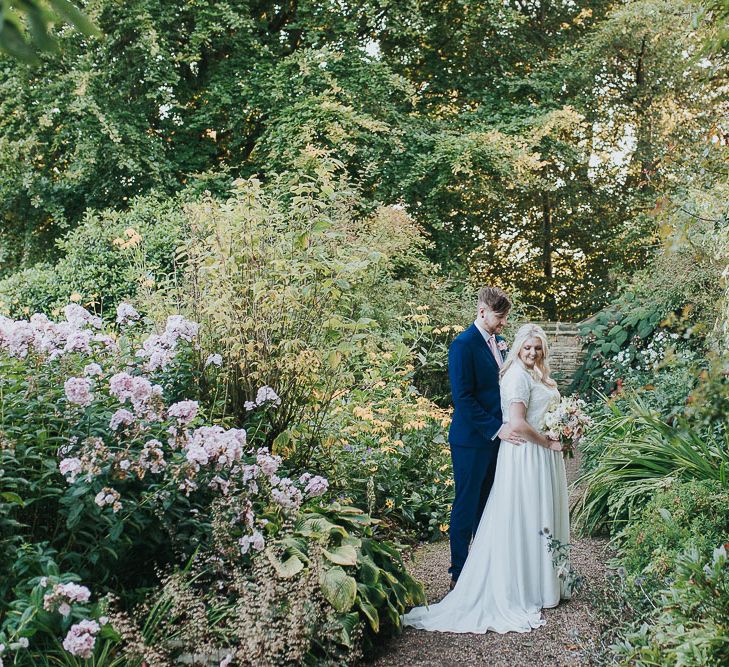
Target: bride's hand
column 554, row 445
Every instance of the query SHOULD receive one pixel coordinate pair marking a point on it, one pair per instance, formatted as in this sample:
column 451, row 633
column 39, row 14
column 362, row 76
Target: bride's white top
column 509, row 575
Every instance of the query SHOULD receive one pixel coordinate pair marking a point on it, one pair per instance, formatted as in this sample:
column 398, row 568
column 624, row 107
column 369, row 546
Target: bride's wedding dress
column 509, row 575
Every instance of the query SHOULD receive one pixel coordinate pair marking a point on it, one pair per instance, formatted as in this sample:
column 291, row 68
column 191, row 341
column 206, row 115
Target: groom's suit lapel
column 483, row 345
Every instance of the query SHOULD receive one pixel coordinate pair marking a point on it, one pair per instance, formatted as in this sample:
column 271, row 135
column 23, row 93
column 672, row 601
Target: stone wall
column 565, row 350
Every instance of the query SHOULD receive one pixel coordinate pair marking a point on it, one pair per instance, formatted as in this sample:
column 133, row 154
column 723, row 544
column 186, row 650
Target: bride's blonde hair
column 541, row 372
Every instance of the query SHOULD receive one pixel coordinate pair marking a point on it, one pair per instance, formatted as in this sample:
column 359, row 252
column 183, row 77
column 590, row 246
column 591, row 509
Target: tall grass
column 631, row 454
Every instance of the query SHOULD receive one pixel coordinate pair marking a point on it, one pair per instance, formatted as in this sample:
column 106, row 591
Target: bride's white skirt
column 509, row 576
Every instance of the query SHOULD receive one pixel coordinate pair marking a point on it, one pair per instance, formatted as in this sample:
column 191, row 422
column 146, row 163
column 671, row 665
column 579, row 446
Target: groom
column 474, row 360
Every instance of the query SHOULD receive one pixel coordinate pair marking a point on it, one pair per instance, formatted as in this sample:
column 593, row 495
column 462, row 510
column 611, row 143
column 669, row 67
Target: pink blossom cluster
column 214, row 444
column 146, row 398
column 160, row 349
column 315, row 485
column 39, row 335
column 152, row 458
column 214, row 359
column 78, row 391
column 264, row 395
column 125, row 313
column 183, row 411
column 121, row 417
column 70, row 468
column 256, row 540
column 93, row 369
column 108, row 497
column 267, row 462
column 81, row 639
column 79, row 317
column 286, row 494
column 63, row 596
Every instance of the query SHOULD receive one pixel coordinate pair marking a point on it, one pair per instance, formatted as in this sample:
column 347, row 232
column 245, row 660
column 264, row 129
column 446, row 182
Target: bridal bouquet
column 567, row 421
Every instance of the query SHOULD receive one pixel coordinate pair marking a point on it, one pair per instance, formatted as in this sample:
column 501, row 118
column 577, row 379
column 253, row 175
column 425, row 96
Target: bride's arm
column 520, row 426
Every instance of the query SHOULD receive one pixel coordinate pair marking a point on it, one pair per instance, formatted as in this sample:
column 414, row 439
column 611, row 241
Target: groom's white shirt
column 486, row 336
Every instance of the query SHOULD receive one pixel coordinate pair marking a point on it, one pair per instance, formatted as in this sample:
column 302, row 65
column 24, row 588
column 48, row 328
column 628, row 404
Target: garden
column 237, row 240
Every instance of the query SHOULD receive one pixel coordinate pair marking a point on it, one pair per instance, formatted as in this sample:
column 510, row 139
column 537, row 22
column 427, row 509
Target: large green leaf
column 287, row 568
column 371, row 613
column 339, row 589
column 344, row 555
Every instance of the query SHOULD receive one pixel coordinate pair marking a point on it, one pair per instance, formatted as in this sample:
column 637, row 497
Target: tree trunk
column 550, row 306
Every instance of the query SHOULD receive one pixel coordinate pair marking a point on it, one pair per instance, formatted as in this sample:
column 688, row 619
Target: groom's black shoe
column 452, row 584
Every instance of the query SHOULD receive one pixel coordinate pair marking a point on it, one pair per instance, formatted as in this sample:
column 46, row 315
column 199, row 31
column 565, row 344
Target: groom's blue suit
column 474, row 376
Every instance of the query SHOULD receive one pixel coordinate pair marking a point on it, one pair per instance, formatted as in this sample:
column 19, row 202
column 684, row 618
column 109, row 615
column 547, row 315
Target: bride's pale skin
column 530, row 354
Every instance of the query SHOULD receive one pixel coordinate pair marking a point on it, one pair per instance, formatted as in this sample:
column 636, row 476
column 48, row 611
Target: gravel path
column 568, row 627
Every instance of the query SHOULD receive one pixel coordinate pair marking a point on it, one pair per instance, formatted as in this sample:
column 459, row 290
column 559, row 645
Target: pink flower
column 222, row 447
column 79, row 317
column 120, row 385
column 81, row 638
column 256, row 541
column 70, row 468
column 185, row 411
column 108, row 497
column 266, row 394
column 79, row 341
column 93, row 369
column 121, row 417
column 78, row 391
column 287, row 495
column 268, row 463
column 316, row 486
column 214, row 359
column 179, row 327
column 152, row 457
column 125, row 313
column 63, row 595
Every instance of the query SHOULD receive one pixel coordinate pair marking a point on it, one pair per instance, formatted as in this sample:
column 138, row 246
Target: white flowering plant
column 567, row 421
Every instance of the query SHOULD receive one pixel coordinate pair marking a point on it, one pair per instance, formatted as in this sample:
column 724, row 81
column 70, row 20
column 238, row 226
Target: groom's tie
column 495, row 350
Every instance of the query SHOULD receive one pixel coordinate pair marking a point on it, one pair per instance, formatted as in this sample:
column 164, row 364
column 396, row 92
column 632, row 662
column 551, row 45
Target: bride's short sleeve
column 515, row 387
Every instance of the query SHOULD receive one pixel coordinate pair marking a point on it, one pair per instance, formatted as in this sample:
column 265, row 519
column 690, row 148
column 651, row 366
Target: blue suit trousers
column 473, row 471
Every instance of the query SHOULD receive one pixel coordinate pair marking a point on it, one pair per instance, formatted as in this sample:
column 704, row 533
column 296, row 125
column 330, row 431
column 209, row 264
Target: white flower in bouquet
column 567, row 421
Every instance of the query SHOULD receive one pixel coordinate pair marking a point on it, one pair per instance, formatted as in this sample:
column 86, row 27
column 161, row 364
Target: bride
column 509, row 576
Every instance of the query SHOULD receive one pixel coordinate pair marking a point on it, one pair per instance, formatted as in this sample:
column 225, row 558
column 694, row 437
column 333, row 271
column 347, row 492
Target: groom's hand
column 507, row 433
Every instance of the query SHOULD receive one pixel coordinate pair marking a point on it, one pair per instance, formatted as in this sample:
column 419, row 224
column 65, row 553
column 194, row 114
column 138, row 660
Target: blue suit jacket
column 474, row 376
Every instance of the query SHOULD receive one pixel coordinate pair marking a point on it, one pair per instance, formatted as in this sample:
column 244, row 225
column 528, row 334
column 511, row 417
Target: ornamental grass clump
column 636, row 454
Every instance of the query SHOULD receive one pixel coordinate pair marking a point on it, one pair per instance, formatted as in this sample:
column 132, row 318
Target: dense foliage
column 530, row 144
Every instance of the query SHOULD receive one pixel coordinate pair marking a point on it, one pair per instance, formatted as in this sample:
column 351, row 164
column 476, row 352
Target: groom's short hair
column 494, row 299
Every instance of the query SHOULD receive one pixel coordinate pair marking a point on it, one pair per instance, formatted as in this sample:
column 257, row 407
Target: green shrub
column 389, row 454
column 685, row 516
column 691, row 628
column 148, row 485
column 634, row 453
column 105, row 260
